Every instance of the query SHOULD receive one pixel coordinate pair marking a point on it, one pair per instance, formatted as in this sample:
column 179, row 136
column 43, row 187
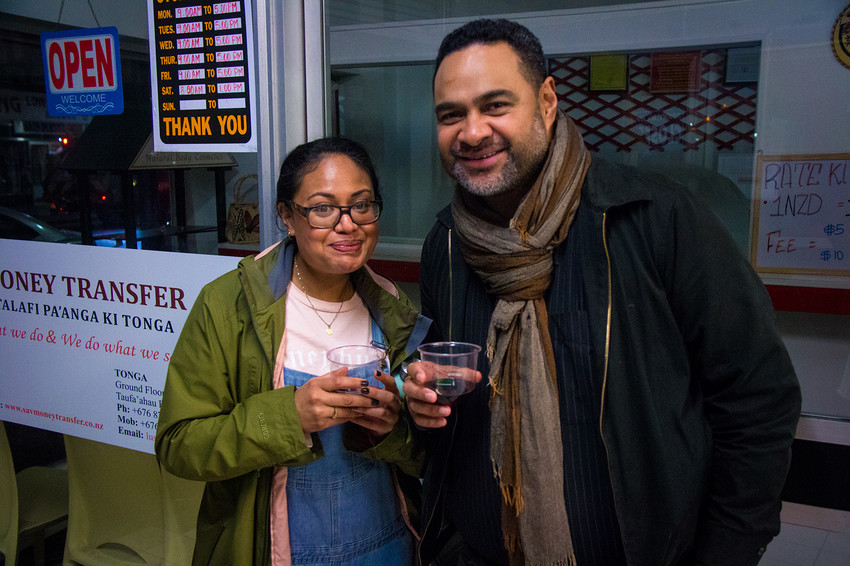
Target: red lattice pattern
column 720, row 113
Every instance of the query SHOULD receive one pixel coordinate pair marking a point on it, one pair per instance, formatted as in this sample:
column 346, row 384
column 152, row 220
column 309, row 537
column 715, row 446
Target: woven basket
column 243, row 218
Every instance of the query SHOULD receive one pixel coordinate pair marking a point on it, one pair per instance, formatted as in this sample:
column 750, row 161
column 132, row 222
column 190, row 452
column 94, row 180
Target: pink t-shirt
column 303, row 348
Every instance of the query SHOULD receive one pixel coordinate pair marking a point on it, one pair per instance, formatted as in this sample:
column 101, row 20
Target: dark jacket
column 699, row 397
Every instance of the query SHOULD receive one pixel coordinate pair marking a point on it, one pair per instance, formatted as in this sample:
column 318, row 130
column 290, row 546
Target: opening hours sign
column 202, row 67
column 82, row 69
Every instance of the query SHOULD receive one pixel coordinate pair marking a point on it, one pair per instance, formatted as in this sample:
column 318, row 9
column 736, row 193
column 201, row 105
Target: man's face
column 493, row 127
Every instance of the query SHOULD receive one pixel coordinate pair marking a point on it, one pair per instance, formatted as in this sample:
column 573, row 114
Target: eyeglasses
column 328, row 215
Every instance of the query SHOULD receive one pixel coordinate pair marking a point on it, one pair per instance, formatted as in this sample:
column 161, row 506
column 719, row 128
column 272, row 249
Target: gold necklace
column 329, row 330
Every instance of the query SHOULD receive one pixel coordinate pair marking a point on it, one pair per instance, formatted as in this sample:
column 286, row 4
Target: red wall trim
column 810, row 299
column 796, row 299
column 399, row 271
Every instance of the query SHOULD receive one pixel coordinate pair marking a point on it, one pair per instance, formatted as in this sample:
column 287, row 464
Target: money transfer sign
column 203, row 66
column 82, row 70
column 86, row 334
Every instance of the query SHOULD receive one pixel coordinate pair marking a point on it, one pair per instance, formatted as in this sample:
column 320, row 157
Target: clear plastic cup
column 361, row 361
column 450, row 367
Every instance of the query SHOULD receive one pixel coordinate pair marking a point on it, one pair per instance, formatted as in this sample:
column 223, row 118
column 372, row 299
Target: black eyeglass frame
column 305, row 212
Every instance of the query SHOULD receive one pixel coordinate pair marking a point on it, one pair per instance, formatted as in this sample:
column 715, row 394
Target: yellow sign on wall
column 608, row 72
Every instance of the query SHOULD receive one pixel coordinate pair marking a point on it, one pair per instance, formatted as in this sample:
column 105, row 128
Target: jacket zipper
column 451, row 286
column 607, row 324
column 405, row 513
column 605, row 369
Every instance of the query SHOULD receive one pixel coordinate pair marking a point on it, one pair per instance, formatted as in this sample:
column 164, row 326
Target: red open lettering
column 72, row 61
column 84, row 63
column 57, row 71
column 103, row 56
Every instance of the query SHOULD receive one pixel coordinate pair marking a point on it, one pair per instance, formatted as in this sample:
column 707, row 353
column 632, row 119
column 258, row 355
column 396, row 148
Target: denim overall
column 343, row 508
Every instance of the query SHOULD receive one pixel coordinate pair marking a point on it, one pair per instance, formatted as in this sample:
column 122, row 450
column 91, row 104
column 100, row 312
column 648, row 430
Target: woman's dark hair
column 487, row 32
column 306, row 158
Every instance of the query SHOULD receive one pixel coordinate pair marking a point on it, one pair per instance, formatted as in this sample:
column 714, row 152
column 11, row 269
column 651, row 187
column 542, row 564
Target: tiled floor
column 810, row 536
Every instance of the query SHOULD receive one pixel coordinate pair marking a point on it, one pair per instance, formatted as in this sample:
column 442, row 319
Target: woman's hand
column 381, row 416
column 320, row 405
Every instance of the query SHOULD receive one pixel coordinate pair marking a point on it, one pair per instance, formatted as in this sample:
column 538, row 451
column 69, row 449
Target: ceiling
column 359, row 12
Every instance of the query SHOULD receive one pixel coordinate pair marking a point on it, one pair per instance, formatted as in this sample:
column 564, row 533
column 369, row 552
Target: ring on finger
column 333, row 415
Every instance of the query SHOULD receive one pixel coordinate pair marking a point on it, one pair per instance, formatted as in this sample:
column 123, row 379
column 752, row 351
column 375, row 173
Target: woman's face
column 344, row 248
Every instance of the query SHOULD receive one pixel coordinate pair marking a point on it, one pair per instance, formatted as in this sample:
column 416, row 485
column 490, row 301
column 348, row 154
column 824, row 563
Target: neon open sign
column 82, row 70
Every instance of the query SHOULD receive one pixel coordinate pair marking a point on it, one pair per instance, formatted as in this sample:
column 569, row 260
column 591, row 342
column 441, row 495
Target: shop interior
column 761, row 79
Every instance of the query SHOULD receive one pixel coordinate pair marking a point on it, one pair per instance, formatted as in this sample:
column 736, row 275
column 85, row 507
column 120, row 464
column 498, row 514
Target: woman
column 297, row 472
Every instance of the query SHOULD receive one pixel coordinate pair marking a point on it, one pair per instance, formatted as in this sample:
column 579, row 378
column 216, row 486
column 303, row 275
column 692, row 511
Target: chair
column 115, row 512
column 31, row 501
column 181, row 499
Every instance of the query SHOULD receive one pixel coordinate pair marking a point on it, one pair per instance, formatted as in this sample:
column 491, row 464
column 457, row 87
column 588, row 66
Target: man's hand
column 422, row 400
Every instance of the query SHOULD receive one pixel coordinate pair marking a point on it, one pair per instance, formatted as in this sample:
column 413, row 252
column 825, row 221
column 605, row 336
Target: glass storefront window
column 751, row 93
column 703, row 138
column 700, row 132
column 403, row 147
column 83, row 179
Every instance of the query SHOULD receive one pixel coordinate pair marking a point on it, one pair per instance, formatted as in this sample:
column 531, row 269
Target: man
column 639, row 405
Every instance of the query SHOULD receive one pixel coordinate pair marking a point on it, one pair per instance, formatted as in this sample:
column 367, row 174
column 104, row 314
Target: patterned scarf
column 515, row 264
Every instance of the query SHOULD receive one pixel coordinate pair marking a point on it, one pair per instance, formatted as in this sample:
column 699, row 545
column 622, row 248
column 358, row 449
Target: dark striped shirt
column 472, row 499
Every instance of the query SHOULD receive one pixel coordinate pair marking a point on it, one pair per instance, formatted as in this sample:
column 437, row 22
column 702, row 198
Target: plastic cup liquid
column 361, row 361
column 452, row 365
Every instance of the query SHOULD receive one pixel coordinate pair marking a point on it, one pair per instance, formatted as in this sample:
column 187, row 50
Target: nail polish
column 365, row 391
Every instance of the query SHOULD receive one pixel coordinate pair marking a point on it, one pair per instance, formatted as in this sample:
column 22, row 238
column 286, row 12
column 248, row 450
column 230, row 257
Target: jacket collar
column 266, row 277
column 609, row 184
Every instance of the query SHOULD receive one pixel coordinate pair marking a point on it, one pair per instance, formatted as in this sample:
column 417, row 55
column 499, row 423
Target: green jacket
column 222, row 421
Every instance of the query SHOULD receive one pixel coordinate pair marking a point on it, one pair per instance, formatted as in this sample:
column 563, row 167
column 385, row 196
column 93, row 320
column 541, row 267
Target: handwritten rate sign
column 202, row 54
column 86, row 334
column 802, row 214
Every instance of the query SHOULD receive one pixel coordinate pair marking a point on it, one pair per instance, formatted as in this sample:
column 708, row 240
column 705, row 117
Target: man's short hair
column 487, row 32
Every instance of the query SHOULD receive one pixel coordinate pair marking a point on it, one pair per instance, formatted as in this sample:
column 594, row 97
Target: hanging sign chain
column 62, row 7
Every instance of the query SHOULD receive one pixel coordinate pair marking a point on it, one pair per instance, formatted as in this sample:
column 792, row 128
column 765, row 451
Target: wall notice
column 203, row 68
column 86, row 334
column 802, row 214
column 675, row 72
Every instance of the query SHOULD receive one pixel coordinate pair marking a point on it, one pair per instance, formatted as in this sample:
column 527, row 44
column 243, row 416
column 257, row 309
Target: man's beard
column 520, row 169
